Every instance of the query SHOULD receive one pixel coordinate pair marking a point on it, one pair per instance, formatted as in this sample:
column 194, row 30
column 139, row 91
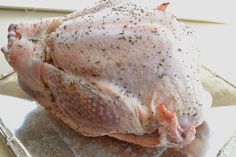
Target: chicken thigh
column 116, row 69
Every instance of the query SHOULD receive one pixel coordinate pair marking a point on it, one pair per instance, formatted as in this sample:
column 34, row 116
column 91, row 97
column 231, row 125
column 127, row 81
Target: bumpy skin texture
column 116, row 69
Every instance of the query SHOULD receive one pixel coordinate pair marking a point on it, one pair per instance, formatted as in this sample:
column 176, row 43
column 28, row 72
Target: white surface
column 218, row 48
column 19, row 114
column 62, row 5
column 220, row 11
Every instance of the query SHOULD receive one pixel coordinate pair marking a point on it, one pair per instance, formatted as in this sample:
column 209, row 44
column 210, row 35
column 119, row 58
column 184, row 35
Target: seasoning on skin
column 128, row 73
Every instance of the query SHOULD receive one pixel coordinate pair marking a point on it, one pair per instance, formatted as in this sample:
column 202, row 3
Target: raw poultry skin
column 116, row 69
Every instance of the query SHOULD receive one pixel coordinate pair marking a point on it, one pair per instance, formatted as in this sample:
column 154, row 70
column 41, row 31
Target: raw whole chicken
column 116, row 69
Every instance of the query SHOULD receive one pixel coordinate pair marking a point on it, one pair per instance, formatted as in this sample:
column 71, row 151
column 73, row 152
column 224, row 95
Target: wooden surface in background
column 3, row 150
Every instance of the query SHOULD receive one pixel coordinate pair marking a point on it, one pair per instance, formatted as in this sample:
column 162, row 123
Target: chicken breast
column 116, row 69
